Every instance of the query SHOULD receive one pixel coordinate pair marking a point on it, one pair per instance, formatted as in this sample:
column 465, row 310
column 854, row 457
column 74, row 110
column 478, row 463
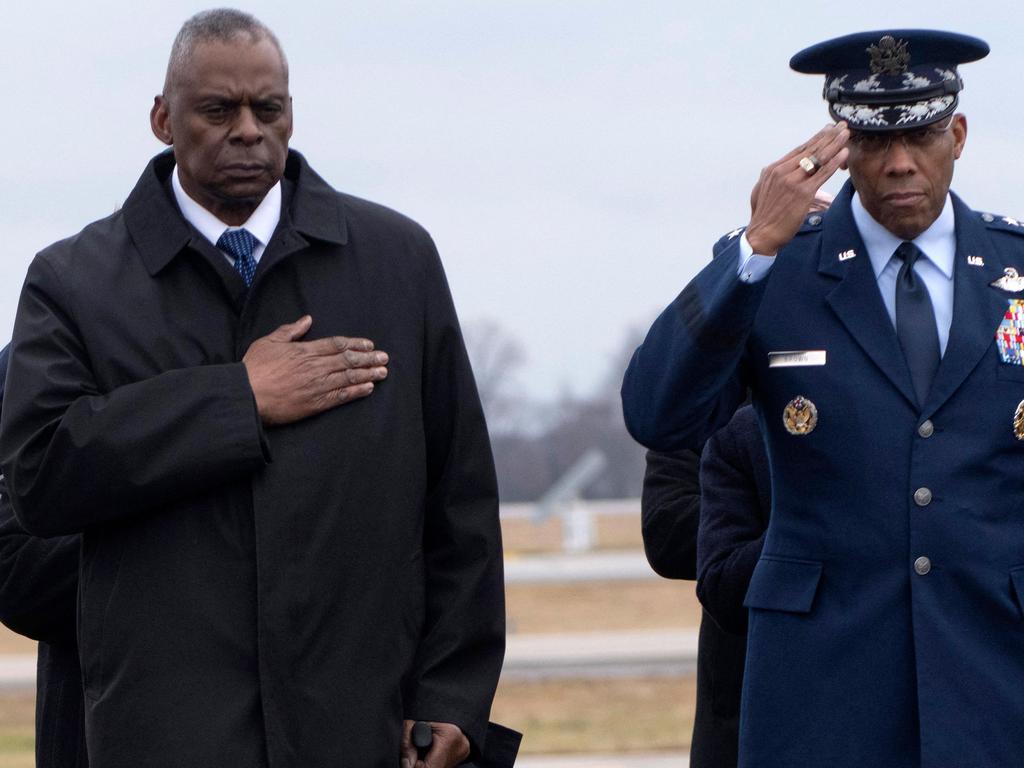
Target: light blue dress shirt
column 937, row 243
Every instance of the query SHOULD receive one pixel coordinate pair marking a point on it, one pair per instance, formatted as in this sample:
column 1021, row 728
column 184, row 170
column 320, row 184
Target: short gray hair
column 222, row 25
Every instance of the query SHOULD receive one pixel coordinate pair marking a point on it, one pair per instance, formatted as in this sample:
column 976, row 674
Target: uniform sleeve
column 669, row 512
column 463, row 643
column 77, row 456
column 732, row 525
column 688, row 377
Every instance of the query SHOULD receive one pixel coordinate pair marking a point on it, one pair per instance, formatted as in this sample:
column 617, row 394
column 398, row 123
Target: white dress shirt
column 261, row 224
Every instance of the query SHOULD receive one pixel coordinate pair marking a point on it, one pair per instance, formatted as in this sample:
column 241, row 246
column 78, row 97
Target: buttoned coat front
column 257, row 596
column 860, row 651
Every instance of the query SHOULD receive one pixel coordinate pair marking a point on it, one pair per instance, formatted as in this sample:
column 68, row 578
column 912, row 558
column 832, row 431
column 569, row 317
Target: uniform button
column 927, row 429
column 814, row 220
column 922, row 497
column 922, row 565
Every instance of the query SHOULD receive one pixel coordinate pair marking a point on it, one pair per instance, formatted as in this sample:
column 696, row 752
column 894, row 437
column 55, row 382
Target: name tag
column 806, row 357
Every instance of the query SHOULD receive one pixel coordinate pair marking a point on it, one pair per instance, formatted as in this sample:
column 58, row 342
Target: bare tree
column 497, row 358
column 535, row 443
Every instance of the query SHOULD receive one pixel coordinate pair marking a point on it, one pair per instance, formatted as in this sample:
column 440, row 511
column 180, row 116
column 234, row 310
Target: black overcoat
column 38, row 583
column 38, row 579
column 735, row 506
column 670, row 511
column 255, row 596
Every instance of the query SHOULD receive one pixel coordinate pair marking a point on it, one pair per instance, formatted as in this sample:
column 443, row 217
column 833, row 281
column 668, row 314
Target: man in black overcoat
column 266, row 579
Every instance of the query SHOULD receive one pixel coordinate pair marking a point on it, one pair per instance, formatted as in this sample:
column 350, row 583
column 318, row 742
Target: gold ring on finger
column 810, row 164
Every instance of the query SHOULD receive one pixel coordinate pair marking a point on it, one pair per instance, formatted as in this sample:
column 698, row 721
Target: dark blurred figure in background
column 704, row 519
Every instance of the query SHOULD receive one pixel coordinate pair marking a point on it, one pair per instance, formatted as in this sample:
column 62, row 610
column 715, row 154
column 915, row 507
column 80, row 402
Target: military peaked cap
column 892, row 80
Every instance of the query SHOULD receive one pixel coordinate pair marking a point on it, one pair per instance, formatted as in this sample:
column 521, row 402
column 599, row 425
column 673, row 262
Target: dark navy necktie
column 240, row 243
column 915, row 323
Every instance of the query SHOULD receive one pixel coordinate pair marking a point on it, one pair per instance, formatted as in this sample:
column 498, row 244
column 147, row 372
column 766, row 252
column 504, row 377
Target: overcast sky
column 574, row 160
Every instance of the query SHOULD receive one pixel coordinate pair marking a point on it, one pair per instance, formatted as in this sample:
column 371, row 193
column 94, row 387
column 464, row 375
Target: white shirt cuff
column 752, row 267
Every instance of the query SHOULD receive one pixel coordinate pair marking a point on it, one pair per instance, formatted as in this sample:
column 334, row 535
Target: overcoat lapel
column 311, row 211
column 977, row 306
column 856, row 299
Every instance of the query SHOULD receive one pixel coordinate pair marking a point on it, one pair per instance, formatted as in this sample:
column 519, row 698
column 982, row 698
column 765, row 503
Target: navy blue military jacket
column 886, row 625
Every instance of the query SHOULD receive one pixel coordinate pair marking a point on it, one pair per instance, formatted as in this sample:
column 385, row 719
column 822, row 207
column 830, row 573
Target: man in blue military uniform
column 882, row 344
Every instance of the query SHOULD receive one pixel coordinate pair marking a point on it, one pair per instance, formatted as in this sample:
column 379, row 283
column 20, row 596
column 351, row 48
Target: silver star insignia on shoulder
column 1012, row 222
column 976, row 261
column 847, row 255
column 735, row 233
column 1010, row 281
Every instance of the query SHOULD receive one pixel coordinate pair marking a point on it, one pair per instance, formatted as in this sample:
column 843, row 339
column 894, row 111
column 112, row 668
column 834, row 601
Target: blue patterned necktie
column 915, row 323
column 240, row 243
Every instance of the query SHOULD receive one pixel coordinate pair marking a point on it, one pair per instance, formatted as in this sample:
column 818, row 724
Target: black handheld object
column 422, row 738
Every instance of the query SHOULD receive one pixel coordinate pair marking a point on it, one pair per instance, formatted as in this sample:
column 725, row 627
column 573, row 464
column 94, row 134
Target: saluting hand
column 785, row 192
column 450, row 747
column 294, row 379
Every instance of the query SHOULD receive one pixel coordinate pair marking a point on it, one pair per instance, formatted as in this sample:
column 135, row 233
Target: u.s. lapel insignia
column 1010, row 334
column 847, row 255
column 1010, row 281
column 800, row 416
column 1018, row 421
column 976, row 261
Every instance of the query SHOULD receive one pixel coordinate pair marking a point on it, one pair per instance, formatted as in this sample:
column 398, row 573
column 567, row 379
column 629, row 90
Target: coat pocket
column 1017, row 584
column 783, row 584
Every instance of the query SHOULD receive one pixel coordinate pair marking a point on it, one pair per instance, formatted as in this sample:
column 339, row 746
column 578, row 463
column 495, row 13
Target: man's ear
column 160, row 120
column 959, row 128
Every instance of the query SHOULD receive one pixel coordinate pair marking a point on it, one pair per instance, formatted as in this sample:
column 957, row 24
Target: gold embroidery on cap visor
column 800, row 416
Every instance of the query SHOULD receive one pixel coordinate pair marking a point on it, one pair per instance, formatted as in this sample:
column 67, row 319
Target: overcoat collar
column 977, row 307
column 160, row 233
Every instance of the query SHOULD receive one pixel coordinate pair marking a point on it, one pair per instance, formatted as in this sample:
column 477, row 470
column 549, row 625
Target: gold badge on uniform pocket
column 801, row 416
column 1018, row 421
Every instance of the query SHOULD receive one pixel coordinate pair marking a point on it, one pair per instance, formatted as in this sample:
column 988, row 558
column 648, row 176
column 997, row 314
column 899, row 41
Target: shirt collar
column 937, row 243
column 261, row 224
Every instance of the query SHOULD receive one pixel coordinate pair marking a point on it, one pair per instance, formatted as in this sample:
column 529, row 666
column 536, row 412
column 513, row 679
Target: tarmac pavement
column 647, row 653
column 586, row 566
column 650, row 760
column 17, row 670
